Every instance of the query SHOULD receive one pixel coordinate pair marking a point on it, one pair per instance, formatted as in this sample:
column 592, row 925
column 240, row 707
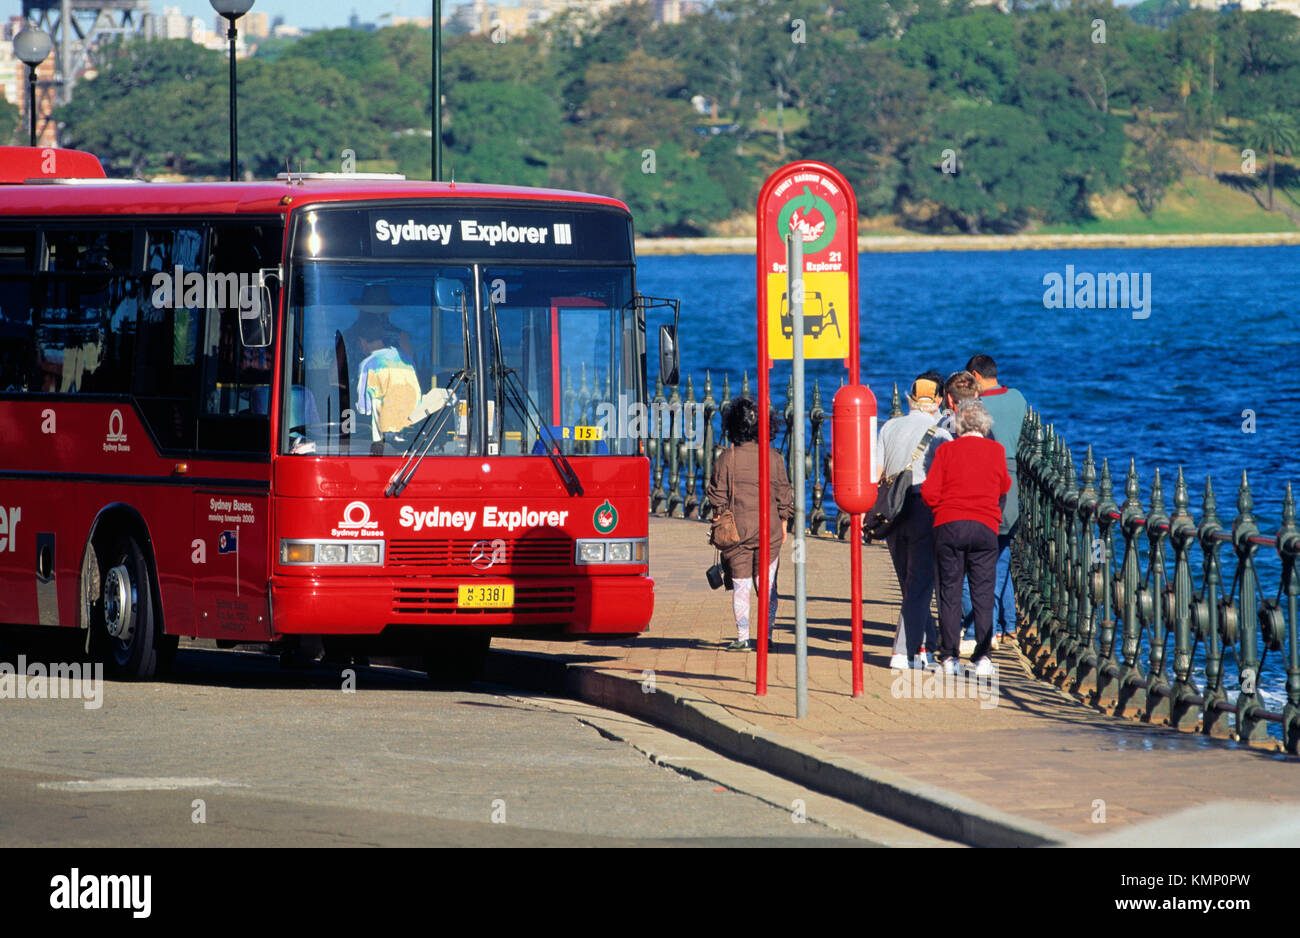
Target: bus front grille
column 462, row 553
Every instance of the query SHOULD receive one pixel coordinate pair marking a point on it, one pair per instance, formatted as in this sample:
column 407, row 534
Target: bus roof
column 264, row 198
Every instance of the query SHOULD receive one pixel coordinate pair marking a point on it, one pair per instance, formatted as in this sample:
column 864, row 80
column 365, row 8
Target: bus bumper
column 606, row 605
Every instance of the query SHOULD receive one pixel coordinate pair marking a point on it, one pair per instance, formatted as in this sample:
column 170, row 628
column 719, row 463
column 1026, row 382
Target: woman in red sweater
column 965, row 488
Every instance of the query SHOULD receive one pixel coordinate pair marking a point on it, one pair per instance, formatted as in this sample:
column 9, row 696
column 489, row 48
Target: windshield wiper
column 398, row 483
column 510, row 388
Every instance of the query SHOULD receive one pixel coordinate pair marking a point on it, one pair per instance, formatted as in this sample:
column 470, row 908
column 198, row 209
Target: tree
column 1086, row 143
column 1277, row 133
column 974, row 56
column 637, row 102
column 1151, row 167
column 296, row 112
column 863, row 107
column 997, row 173
column 501, row 132
column 154, row 105
column 10, row 119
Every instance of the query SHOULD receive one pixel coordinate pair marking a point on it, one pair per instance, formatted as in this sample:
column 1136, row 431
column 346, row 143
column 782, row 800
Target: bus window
column 17, row 336
column 564, row 334
column 375, row 350
column 235, row 395
column 86, row 312
column 168, row 337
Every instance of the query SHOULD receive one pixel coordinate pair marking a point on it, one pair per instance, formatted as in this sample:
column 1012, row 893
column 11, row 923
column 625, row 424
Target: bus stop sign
column 816, row 201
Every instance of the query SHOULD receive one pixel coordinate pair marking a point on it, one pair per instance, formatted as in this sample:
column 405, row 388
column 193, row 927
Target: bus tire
column 123, row 621
column 457, row 659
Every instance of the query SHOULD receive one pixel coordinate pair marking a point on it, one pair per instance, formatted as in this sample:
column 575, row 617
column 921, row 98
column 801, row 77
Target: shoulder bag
column 724, row 533
column 891, row 496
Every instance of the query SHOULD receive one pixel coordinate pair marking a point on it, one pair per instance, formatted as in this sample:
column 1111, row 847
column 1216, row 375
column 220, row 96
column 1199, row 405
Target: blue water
column 1170, row 390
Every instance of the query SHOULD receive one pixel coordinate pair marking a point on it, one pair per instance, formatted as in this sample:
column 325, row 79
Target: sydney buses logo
column 356, row 517
column 115, row 438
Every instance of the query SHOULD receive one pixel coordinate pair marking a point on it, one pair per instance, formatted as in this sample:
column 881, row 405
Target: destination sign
column 403, row 231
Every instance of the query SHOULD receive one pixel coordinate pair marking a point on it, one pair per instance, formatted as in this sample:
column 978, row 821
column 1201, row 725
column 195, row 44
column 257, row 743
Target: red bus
column 367, row 414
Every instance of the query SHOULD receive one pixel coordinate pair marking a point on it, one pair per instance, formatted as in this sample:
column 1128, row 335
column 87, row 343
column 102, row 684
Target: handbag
column 723, row 533
column 716, row 574
column 891, row 497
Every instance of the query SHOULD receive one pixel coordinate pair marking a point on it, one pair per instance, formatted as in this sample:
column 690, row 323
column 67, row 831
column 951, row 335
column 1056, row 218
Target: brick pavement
column 1037, row 754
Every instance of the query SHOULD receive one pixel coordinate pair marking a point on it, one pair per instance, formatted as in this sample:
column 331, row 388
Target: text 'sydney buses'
column 375, row 414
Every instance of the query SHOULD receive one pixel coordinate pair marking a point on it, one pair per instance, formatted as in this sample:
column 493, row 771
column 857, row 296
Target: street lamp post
column 232, row 10
column 437, row 90
column 31, row 47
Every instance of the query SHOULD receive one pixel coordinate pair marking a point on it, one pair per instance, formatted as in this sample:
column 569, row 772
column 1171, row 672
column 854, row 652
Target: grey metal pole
column 794, row 269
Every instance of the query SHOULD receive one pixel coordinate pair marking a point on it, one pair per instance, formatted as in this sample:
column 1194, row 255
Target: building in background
column 12, row 70
column 516, row 17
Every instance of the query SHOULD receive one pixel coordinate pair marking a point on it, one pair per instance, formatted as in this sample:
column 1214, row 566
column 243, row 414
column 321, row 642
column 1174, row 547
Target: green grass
column 1213, row 208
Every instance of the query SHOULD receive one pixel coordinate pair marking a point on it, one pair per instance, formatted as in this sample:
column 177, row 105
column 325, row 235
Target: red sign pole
column 816, row 199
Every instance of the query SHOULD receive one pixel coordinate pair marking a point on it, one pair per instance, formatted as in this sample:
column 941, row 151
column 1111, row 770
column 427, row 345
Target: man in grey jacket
column 1007, row 407
column 911, row 542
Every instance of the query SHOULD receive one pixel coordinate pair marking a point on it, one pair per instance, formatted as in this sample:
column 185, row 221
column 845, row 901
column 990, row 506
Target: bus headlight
column 612, row 550
column 363, row 553
column 331, row 553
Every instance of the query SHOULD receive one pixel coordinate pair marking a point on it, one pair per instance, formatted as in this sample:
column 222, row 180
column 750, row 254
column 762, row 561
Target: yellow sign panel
column 825, row 316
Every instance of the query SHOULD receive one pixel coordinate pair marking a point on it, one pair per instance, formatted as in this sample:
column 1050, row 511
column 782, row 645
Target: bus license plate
column 486, row 596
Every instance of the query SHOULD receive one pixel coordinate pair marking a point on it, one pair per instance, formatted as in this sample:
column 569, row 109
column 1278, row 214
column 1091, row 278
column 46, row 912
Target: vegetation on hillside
column 945, row 117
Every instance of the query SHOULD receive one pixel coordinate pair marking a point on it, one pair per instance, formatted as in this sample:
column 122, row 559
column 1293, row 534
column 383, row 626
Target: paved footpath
column 1038, row 766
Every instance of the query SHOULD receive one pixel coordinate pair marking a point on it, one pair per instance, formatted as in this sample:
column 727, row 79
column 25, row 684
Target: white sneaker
column 898, row 663
column 925, row 662
column 952, row 666
column 993, row 640
column 984, row 667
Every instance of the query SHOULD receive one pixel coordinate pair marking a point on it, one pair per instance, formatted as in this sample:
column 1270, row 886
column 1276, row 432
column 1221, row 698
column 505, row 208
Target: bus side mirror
column 669, row 356
column 448, row 293
column 255, row 317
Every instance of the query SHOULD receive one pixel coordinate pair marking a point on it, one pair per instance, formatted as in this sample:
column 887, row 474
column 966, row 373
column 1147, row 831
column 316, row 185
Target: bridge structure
column 78, row 28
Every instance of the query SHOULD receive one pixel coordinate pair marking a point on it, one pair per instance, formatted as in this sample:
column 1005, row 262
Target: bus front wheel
column 123, row 619
column 457, row 659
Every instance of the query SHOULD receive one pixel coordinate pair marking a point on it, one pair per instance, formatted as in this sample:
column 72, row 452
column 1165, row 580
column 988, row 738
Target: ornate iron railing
column 681, row 462
column 1087, row 622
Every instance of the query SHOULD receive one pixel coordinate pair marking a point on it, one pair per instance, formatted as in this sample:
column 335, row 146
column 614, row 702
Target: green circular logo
column 605, row 518
column 811, row 215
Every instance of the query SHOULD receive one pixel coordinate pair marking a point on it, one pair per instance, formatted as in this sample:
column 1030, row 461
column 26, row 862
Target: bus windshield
column 373, row 352
column 376, row 350
column 567, row 343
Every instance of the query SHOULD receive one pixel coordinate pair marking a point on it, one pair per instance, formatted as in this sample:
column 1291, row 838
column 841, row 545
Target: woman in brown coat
column 735, row 485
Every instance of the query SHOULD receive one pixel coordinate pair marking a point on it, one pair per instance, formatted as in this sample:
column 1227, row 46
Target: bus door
column 232, row 522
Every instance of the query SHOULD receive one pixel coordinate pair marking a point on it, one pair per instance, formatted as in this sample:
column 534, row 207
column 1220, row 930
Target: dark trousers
column 912, row 551
column 965, row 549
